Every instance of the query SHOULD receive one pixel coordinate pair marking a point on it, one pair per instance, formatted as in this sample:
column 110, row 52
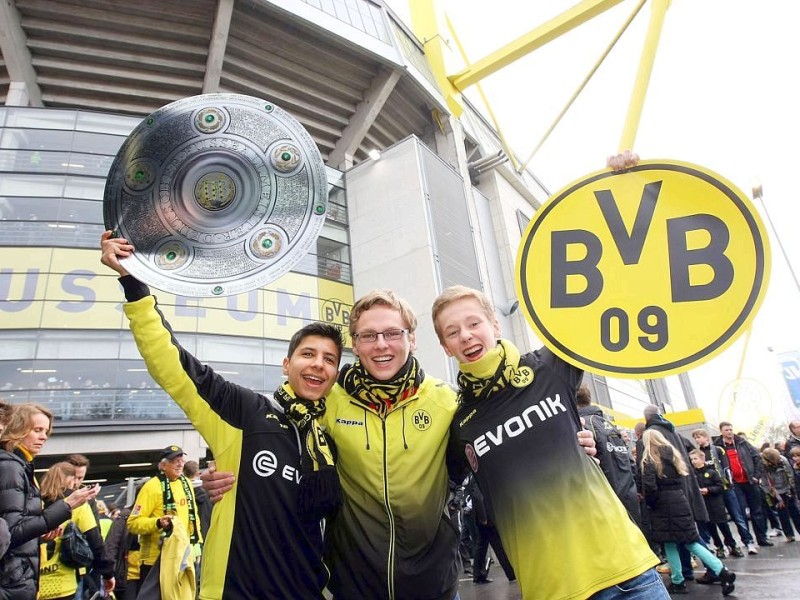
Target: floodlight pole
column 659, row 12
column 758, row 192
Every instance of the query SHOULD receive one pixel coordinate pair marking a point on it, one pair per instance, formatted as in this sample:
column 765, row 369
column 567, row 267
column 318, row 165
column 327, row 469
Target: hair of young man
column 54, row 484
column 21, row 423
column 325, row 330
column 654, row 441
column 385, row 298
column 5, row 412
column 78, row 460
column 459, row 292
column 191, row 469
column 724, row 424
column 697, row 453
column 584, row 396
column 700, row 433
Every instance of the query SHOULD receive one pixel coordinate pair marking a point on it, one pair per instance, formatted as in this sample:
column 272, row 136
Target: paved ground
column 772, row 574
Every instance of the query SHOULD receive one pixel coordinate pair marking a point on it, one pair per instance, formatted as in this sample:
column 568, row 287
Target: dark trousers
column 749, row 495
column 709, row 531
column 487, row 535
column 788, row 514
column 737, row 515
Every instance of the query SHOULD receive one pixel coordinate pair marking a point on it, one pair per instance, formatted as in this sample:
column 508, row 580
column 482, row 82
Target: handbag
column 75, row 551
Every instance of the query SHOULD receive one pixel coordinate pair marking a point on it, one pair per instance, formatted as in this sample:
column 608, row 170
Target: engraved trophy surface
column 219, row 194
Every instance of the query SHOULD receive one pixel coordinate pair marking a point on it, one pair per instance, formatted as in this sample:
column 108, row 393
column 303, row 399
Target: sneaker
column 727, row 578
column 766, row 543
column 774, row 533
column 790, row 539
column 663, row 568
column 720, row 552
column 752, row 549
column 736, row 552
column 677, row 588
column 708, row 578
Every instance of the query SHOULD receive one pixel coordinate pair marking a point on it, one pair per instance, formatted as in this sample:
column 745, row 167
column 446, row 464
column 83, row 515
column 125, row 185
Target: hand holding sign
column 643, row 273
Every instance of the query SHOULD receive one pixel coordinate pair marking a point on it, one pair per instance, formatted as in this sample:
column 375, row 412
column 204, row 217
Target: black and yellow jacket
column 392, row 538
column 257, row 547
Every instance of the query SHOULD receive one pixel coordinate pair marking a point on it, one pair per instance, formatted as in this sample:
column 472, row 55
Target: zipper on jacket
column 390, row 515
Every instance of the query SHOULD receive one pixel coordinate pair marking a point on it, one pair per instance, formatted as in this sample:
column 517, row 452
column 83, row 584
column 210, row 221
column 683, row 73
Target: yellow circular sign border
column 754, row 301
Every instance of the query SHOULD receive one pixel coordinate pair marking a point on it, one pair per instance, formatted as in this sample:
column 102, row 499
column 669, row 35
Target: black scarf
column 319, row 483
column 381, row 395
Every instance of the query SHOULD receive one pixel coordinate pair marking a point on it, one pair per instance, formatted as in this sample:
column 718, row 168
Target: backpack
column 75, row 551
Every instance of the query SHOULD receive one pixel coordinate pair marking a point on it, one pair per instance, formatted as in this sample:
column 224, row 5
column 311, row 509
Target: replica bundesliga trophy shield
column 219, row 194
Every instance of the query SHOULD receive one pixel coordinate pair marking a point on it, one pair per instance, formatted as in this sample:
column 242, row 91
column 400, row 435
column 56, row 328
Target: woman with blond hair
column 58, row 580
column 20, row 501
column 672, row 520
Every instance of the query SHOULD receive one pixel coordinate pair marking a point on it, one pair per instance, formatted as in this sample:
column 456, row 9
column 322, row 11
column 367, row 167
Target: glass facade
column 63, row 340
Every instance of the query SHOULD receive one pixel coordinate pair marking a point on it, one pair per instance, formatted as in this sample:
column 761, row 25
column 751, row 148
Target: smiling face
column 312, row 368
column 383, row 359
column 173, row 467
column 37, row 436
column 467, row 331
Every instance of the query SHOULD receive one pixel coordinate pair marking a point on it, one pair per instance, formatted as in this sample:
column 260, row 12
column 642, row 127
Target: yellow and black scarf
column 381, row 396
column 491, row 373
column 319, row 485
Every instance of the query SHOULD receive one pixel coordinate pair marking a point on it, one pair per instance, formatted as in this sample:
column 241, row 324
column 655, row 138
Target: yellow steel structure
column 428, row 23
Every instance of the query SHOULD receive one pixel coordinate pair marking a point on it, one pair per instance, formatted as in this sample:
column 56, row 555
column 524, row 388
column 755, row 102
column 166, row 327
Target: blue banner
column 790, row 363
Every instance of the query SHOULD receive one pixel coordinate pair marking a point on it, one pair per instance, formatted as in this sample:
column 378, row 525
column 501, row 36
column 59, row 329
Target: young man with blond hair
column 515, row 429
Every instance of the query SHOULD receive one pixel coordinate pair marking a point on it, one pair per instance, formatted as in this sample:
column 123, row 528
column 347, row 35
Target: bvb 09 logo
column 643, row 273
column 421, row 419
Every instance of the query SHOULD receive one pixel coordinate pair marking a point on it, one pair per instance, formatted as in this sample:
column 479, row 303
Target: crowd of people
column 342, row 482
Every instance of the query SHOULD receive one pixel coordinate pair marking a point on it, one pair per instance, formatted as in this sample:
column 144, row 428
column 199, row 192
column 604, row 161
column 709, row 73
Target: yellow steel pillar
column 659, row 11
column 428, row 23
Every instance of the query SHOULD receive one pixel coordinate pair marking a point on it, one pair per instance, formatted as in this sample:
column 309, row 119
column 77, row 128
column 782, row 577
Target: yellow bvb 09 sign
column 643, row 273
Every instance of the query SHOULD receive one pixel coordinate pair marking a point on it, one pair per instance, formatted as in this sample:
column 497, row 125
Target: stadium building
column 419, row 199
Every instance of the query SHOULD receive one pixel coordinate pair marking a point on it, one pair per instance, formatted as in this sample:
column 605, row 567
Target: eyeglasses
column 370, row 337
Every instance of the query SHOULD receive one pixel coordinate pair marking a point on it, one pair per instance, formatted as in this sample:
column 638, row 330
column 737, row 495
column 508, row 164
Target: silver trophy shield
column 219, row 194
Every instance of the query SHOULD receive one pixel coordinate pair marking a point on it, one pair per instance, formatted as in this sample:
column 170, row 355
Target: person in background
column 58, row 581
column 779, row 487
column 612, row 452
column 793, row 441
column 104, row 520
column 715, row 457
column 794, row 461
column 672, row 517
column 655, row 420
column 89, row 581
column 21, row 504
column 165, row 497
column 515, row 429
column 746, row 473
column 711, row 488
column 5, row 534
column 192, row 472
column 122, row 548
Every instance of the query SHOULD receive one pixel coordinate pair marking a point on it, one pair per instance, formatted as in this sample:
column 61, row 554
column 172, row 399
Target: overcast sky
column 724, row 94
